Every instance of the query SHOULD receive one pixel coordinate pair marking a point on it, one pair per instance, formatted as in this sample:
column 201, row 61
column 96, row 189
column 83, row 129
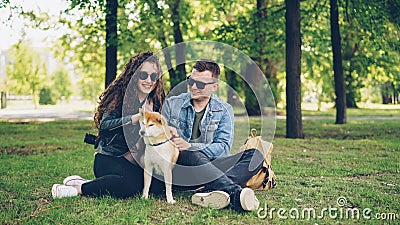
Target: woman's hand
column 135, row 118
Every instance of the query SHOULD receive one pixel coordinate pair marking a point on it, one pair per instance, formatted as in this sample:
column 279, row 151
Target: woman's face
column 147, row 78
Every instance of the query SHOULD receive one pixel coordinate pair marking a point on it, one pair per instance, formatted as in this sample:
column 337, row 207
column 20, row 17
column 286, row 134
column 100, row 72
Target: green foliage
column 90, row 89
column 259, row 33
column 317, row 66
column 84, row 46
column 61, row 84
column 46, row 97
column 370, row 38
column 25, row 69
column 370, row 35
column 4, row 3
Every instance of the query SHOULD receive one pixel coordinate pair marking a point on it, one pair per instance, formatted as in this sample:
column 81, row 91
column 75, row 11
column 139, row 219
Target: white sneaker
column 248, row 200
column 74, row 181
column 61, row 191
column 214, row 199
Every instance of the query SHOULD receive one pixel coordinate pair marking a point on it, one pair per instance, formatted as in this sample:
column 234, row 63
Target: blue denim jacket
column 216, row 126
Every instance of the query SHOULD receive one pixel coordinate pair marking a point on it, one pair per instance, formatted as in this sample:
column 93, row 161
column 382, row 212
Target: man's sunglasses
column 144, row 75
column 199, row 84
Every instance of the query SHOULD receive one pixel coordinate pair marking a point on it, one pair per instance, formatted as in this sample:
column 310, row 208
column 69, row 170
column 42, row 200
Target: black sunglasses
column 199, row 84
column 144, row 75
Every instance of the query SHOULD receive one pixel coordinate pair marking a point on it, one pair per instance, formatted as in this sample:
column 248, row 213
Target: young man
column 203, row 127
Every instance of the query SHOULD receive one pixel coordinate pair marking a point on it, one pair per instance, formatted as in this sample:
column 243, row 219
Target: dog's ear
column 162, row 120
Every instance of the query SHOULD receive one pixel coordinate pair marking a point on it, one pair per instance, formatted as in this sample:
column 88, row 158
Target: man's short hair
column 207, row 64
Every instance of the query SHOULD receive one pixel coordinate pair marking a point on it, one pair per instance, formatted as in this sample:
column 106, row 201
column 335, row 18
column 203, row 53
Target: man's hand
column 174, row 132
column 181, row 144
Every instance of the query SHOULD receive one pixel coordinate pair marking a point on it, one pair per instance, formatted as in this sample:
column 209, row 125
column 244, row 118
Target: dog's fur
column 160, row 158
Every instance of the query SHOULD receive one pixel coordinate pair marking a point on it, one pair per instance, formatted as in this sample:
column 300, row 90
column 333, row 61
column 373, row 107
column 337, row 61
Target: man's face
column 203, row 84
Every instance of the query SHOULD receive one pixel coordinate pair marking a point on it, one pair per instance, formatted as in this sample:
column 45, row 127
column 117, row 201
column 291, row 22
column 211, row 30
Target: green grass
column 354, row 112
column 371, row 110
column 358, row 161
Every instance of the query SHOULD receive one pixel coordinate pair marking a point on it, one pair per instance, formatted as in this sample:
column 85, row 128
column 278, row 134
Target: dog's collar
column 161, row 142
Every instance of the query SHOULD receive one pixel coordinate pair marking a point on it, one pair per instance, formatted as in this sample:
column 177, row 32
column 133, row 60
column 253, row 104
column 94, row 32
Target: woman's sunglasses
column 199, row 84
column 144, row 75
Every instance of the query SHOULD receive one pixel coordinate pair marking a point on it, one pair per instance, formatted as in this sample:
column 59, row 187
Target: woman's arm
column 111, row 122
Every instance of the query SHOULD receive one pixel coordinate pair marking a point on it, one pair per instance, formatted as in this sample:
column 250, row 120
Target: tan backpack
column 265, row 178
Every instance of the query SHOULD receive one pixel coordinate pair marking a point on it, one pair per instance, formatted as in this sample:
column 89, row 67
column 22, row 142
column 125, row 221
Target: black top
column 196, row 125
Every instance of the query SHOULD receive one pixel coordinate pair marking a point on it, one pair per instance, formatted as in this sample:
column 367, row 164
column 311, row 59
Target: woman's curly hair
column 113, row 97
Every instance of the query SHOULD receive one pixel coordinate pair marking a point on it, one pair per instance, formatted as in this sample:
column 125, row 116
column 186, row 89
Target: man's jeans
column 194, row 169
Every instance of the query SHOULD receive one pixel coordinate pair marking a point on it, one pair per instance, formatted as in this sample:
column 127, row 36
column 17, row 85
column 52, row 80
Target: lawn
column 357, row 164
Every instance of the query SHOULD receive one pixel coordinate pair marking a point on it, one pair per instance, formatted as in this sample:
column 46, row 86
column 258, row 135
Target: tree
column 84, row 46
column 340, row 89
column 111, row 40
column 317, row 82
column 371, row 45
column 180, row 50
column 252, row 74
column 25, row 70
column 266, row 27
column 258, row 33
column 294, row 125
column 161, row 36
column 161, row 16
column 46, row 96
column 61, row 84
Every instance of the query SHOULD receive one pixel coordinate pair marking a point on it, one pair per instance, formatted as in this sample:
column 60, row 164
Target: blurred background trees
column 369, row 35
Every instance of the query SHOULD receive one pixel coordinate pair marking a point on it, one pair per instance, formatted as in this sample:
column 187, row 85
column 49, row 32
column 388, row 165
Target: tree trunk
column 34, row 99
column 260, row 35
column 252, row 74
column 385, row 93
column 267, row 66
column 168, row 61
column 350, row 91
column 163, row 41
column 340, row 89
column 3, row 100
column 232, row 82
column 111, row 40
column 180, row 50
column 294, row 125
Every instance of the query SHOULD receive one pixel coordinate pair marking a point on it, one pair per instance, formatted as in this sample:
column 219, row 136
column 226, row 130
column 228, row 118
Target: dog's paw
column 171, row 201
column 145, row 196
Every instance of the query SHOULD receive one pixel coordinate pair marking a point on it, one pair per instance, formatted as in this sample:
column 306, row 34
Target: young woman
column 116, row 163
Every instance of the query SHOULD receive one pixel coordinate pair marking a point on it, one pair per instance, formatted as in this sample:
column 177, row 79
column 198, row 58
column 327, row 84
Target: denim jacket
column 216, row 126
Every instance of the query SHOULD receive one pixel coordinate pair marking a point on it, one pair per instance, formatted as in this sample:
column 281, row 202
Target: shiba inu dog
column 160, row 154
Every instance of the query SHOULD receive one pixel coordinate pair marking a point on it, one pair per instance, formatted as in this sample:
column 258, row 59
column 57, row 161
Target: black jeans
column 224, row 173
column 119, row 178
